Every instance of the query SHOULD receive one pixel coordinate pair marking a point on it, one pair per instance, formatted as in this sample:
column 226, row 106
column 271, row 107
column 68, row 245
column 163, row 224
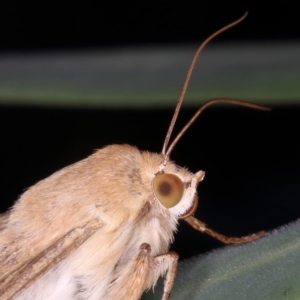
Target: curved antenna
column 188, row 76
column 200, row 110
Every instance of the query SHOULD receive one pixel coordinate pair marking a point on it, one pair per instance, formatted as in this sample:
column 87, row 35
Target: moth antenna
column 186, row 82
column 201, row 109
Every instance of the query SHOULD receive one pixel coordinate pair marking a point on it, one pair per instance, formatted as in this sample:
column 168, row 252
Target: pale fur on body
column 112, row 186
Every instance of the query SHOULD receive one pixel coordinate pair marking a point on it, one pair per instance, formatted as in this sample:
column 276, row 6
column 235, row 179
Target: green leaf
column 266, row 269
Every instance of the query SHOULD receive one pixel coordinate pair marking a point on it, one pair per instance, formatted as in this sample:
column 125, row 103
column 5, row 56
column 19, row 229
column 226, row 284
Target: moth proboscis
column 102, row 227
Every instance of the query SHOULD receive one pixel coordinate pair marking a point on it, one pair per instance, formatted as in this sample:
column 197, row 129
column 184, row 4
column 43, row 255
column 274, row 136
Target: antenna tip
column 244, row 16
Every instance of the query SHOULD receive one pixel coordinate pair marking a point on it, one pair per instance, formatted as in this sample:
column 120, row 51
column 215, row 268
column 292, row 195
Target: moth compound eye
column 168, row 189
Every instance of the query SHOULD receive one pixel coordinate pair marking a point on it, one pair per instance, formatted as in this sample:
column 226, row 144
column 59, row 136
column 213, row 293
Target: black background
column 251, row 158
column 27, row 25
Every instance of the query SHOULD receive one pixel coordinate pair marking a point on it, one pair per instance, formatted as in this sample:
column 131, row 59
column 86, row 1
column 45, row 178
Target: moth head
column 177, row 193
column 169, row 188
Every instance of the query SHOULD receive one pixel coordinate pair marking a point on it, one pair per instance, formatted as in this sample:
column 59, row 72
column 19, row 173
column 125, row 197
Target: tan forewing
column 17, row 275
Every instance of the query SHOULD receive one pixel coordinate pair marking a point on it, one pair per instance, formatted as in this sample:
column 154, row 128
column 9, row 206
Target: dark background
column 27, row 25
column 251, row 158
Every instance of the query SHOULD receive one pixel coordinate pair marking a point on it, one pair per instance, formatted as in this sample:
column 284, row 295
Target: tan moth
column 102, row 227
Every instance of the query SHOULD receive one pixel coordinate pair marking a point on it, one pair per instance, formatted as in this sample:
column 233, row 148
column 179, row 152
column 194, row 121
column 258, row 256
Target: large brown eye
column 168, row 189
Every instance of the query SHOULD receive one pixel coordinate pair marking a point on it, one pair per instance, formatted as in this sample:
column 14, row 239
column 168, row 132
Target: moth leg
column 198, row 225
column 21, row 278
column 168, row 261
column 132, row 281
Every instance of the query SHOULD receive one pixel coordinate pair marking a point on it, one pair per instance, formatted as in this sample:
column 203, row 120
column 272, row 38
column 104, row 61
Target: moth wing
column 3, row 220
column 18, row 274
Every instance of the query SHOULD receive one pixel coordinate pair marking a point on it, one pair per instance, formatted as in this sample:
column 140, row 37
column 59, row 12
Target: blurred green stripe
column 265, row 73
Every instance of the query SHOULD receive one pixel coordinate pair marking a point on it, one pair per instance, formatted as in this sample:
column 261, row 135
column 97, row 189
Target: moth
column 102, row 227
